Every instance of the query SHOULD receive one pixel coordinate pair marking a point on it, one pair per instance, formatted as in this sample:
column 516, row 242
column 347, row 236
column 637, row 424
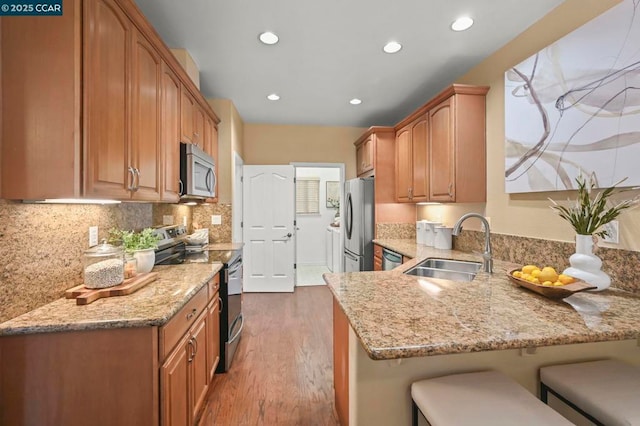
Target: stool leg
column 544, row 393
column 414, row 413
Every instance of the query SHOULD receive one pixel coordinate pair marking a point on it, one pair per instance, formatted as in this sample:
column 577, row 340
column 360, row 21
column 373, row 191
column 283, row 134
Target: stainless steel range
column 171, row 246
column 231, row 318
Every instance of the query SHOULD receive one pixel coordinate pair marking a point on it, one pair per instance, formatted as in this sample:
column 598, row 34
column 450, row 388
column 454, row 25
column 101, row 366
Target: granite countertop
column 152, row 305
column 401, row 316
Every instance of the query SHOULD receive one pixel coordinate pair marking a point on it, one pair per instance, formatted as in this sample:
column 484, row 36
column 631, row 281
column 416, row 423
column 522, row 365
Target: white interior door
column 268, row 215
column 236, row 230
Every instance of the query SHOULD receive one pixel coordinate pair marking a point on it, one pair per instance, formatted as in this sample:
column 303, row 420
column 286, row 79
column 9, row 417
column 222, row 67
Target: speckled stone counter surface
column 401, row 316
column 152, row 305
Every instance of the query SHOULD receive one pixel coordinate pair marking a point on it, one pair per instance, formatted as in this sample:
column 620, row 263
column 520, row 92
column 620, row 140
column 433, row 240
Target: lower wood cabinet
column 120, row 376
column 377, row 257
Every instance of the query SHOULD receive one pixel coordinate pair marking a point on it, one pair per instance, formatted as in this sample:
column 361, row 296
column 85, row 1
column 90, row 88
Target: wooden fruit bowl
column 559, row 292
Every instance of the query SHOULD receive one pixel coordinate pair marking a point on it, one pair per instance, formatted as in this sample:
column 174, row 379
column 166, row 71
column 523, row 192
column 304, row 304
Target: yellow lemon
column 548, row 274
column 527, row 269
column 547, row 283
column 525, row 276
column 558, row 284
column 535, row 273
column 565, row 279
column 517, row 274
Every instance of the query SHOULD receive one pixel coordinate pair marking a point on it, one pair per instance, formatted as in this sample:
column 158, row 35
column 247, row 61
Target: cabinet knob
column 450, row 189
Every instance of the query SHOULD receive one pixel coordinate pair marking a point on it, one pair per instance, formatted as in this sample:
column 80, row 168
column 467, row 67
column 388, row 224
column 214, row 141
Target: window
column 307, row 195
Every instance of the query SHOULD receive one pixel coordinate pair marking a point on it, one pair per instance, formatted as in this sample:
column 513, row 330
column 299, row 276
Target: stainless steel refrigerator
column 359, row 225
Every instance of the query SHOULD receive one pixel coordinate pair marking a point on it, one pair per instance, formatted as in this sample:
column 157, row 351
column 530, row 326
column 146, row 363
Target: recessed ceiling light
column 392, row 47
column 462, row 23
column 268, row 37
column 355, row 101
column 273, row 97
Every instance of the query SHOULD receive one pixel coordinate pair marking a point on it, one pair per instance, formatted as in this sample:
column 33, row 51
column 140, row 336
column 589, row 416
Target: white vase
column 146, row 258
column 586, row 266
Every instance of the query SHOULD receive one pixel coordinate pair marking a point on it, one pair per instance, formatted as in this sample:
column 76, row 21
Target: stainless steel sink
column 454, row 270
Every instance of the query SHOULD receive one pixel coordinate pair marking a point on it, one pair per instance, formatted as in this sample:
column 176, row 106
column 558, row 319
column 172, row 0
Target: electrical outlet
column 613, row 232
column 167, row 219
column 184, row 220
column 216, row 219
column 93, row 236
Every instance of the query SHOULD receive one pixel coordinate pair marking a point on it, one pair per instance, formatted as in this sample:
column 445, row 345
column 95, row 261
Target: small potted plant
column 587, row 217
column 141, row 245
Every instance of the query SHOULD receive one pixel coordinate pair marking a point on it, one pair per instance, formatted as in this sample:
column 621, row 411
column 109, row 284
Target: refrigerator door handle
column 349, row 215
column 350, row 256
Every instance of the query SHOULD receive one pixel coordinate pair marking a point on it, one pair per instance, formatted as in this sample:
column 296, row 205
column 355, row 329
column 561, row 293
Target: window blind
column 307, row 195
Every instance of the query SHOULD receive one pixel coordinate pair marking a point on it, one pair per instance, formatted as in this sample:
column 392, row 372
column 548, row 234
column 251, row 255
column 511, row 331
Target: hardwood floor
column 282, row 373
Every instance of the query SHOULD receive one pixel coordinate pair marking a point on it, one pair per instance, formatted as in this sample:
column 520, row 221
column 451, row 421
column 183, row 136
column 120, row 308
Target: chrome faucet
column 487, row 259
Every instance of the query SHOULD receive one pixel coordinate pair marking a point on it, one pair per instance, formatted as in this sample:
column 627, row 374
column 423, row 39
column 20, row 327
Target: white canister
column 421, row 232
column 443, row 238
column 430, row 232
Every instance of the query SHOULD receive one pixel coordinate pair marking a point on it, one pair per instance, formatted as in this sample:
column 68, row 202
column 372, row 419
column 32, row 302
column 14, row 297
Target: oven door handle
column 232, row 271
column 241, row 318
column 169, row 258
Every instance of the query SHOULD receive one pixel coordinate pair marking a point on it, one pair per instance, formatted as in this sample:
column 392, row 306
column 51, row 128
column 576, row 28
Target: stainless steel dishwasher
column 390, row 259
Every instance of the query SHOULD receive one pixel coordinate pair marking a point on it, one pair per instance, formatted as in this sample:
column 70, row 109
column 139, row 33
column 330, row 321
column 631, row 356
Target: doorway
column 319, row 192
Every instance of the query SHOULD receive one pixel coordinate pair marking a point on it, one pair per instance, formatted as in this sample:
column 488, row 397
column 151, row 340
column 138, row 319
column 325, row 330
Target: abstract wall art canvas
column 574, row 107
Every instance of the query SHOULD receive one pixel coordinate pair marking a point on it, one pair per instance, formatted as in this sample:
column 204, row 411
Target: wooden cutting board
column 84, row 295
column 559, row 292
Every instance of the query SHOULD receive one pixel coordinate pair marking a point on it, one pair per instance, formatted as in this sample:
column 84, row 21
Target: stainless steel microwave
column 197, row 173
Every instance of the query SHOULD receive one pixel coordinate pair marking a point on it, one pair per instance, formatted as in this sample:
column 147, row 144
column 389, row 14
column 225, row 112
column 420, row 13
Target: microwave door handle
column 206, row 179
column 214, row 180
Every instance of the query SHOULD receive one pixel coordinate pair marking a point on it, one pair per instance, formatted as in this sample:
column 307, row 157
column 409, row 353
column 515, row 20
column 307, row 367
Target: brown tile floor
column 282, row 373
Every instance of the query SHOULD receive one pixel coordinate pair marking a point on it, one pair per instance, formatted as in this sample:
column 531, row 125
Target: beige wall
column 189, row 65
column 230, row 140
column 528, row 214
column 283, row 144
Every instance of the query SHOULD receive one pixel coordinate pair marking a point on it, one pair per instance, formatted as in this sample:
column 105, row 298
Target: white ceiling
column 331, row 51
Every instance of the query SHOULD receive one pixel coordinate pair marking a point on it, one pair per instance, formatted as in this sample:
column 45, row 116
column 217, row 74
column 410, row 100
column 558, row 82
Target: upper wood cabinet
column 411, row 161
column 365, row 156
column 170, row 135
column 187, row 106
column 457, row 147
column 107, row 101
column 93, row 115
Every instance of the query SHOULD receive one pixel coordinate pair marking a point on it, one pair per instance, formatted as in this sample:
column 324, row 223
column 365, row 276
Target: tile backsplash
column 41, row 245
column 623, row 266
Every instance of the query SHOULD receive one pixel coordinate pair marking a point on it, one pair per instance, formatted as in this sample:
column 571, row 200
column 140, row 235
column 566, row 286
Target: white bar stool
column 605, row 392
column 483, row 398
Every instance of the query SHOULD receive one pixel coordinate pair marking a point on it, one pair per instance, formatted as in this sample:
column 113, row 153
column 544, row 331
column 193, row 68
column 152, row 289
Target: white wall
column 311, row 246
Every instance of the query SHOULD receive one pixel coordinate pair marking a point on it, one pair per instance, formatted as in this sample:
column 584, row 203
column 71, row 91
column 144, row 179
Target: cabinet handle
column 191, row 353
column 181, row 185
column 132, row 179
column 137, row 173
column 191, row 314
column 221, row 305
column 411, row 193
column 195, row 346
column 449, row 190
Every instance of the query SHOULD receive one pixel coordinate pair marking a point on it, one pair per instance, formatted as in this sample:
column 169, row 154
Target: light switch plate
column 613, row 232
column 93, row 236
column 216, row 219
column 167, row 219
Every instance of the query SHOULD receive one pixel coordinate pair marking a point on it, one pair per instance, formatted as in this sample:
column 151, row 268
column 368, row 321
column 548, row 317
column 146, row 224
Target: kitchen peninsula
column 391, row 329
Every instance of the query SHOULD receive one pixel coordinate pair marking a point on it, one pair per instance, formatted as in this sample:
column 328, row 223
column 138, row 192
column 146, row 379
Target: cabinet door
column 441, row 164
column 419, row 160
column 145, row 119
column 170, row 135
column 106, row 59
column 211, row 148
column 367, row 155
column 198, row 126
column 187, row 104
column 199, row 371
column 403, row 165
column 359, row 159
column 213, row 335
column 174, row 385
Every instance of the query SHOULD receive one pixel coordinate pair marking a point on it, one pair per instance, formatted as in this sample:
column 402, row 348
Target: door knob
column 289, row 235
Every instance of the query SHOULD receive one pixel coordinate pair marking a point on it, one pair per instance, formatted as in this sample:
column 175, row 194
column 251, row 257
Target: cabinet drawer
column 172, row 331
column 214, row 285
column 377, row 251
